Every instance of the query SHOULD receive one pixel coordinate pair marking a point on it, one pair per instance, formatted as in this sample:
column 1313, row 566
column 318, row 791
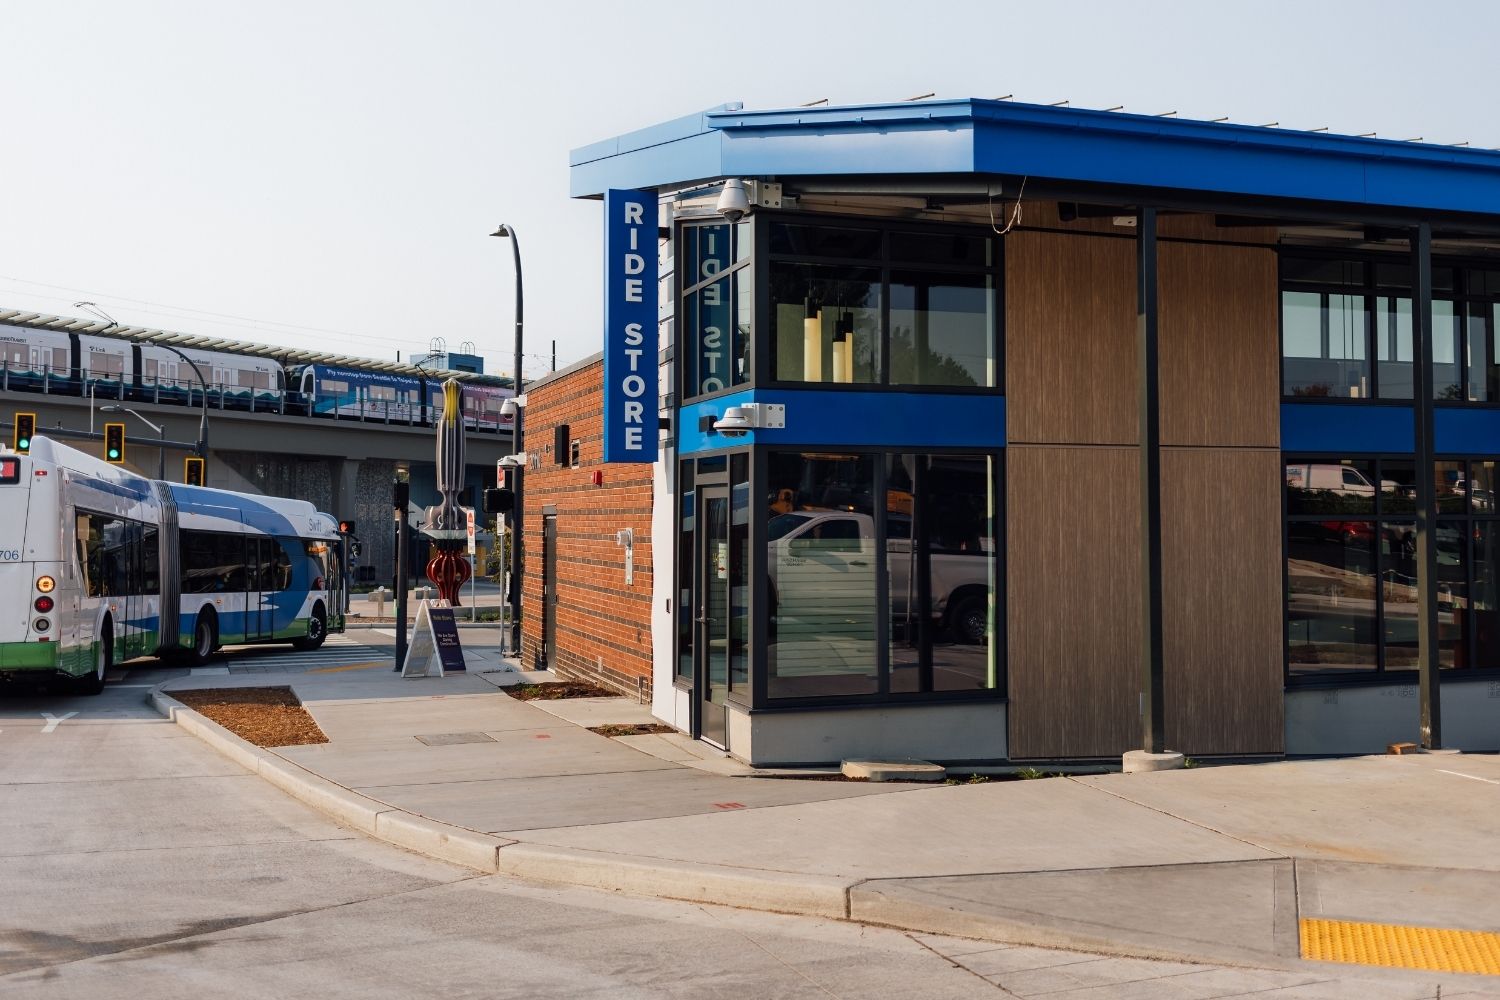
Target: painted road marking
column 1471, row 777
column 350, row 666
column 54, row 721
column 1437, row 949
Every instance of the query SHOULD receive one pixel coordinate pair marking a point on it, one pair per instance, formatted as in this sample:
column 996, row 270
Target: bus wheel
column 205, row 639
column 103, row 659
column 317, row 631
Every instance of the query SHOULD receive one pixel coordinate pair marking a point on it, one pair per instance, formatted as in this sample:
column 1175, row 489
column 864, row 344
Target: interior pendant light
column 812, row 343
column 843, row 349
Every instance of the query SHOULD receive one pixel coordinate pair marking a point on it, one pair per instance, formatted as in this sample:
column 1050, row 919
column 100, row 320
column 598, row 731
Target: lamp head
column 503, row 231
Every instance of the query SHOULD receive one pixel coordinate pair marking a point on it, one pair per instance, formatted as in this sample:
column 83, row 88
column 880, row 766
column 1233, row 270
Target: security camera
column 737, row 421
column 514, row 461
column 733, row 204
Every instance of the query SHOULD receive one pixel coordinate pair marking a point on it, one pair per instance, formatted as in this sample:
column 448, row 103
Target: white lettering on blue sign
column 630, row 369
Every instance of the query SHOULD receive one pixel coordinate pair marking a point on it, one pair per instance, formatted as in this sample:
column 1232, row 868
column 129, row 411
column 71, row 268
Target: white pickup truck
column 823, row 561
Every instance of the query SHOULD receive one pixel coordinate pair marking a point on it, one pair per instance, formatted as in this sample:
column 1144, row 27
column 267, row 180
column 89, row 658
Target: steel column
column 1153, row 719
column 1431, row 727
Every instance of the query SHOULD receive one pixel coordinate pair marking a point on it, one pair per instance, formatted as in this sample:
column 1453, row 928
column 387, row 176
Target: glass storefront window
column 1393, row 346
column 941, row 559
column 1330, row 596
column 940, row 328
column 686, row 557
column 827, row 323
column 1338, row 541
column 739, row 570
column 821, row 634
column 716, row 309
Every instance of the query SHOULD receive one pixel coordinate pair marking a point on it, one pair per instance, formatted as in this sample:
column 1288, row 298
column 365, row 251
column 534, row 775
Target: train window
column 59, row 359
column 106, row 364
column 382, row 392
column 334, row 387
column 15, row 354
column 254, row 379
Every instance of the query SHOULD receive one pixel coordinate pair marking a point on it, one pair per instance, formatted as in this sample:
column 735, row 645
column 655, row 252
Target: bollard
column 378, row 596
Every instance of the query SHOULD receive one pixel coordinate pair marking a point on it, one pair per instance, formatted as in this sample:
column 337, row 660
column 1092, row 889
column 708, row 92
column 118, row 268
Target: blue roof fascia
column 1067, row 144
column 648, row 157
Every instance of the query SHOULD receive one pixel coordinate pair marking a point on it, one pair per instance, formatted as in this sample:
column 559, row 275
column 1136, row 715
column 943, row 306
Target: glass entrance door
column 712, row 615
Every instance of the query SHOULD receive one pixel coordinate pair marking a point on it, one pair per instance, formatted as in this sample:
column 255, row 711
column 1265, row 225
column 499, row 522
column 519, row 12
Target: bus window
column 279, row 563
column 150, row 562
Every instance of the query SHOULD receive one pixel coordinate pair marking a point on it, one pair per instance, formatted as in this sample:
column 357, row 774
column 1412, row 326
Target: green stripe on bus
column 28, row 656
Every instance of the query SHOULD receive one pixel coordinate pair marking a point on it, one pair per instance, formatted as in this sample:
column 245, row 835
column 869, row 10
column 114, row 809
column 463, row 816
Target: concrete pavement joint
column 911, row 936
column 1182, row 819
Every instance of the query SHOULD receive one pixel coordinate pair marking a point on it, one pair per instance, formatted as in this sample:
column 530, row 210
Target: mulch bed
column 635, row 729
column 561, row 689
column 265, row 716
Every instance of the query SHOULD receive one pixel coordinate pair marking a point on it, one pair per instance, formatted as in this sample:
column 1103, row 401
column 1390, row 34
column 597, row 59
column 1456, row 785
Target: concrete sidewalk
column 1219, row 864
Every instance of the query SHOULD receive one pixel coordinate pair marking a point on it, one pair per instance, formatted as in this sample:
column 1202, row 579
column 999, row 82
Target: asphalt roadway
column 136, row 862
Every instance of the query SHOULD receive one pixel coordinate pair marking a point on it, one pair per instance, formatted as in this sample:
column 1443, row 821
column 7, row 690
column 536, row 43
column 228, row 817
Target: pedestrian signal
column 25, row 427
column 114, row 443
column 346, row 527
column 192, row 471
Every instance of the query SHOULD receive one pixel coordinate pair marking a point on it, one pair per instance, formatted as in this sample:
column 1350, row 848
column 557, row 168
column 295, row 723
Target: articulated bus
column 99, row 565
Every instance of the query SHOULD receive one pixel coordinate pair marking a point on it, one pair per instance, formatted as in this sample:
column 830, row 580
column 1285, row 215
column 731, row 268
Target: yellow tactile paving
column 1438, row 949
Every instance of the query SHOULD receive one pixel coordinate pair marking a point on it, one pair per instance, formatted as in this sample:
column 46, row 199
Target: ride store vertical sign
column 630, row 340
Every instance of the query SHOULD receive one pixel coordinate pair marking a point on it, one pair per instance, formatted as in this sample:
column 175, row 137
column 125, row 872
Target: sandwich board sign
column 434, row 648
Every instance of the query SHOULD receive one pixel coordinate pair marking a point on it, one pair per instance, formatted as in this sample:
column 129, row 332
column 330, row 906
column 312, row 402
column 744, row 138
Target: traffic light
column 192, row 471
column 25, row 428
column 346, row 527
column 114, row 444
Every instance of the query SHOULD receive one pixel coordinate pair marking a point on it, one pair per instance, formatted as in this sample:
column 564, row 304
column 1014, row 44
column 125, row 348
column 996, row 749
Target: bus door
column 259, row 561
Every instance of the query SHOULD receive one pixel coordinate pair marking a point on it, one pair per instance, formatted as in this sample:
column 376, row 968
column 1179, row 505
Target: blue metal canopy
column 986, row 138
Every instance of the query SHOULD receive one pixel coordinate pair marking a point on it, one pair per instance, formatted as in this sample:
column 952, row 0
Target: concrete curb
column 410, row 831
column 752, row 889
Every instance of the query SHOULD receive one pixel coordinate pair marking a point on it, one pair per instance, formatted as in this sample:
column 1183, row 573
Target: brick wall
column 603, row 627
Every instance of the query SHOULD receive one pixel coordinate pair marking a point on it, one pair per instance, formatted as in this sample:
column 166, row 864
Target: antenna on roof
column 1271, row 125
column 1464, row 143
column 922, row 97
column 1167, row 114
column 813, row 104
column 1003, row 97
column 1413, row 139
column 1117, row 107
column 1224, row 119
column 1058, row 104
column 1320, row 128
column 1367, row 135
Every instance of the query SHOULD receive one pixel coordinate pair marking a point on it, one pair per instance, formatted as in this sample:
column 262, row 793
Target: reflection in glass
column 822, row 628
column 1445, row 352
column 1332, row 488
column 1450, row 488
column 716, row 317
column 1480, row 356
column 1330, row 568
column 1323, row 345
column 1486, row 611
column 941, row 563
column 1393, row 346
column 1399, row 593
column 827, row 323
column 940, row 328
column 739, row 580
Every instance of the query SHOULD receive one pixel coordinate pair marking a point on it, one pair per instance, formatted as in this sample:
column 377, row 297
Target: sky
column 325, row 174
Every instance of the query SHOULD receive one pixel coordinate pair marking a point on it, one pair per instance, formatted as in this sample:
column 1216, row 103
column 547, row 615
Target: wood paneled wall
column 1220, row 354
column 1072, row 606
column 1072, row 494
column 1221, row 599
column 1070, row 339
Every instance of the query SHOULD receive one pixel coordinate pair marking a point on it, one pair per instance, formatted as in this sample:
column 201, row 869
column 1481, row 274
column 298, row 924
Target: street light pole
column 508, row 232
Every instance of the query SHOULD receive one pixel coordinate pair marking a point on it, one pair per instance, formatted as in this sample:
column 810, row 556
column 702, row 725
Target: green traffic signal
column 25, row 427
column 114, row 443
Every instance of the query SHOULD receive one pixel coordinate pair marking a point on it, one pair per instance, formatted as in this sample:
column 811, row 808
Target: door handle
column 858, row 562
column 705, row 621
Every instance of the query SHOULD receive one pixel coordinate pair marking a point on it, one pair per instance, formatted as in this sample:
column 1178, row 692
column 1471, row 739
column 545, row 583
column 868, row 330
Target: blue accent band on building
column 1466, row 430
column 1346, row 428
column 853, row 419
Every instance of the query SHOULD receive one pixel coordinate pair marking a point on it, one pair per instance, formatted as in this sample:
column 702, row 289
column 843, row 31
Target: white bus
column 99, row 565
